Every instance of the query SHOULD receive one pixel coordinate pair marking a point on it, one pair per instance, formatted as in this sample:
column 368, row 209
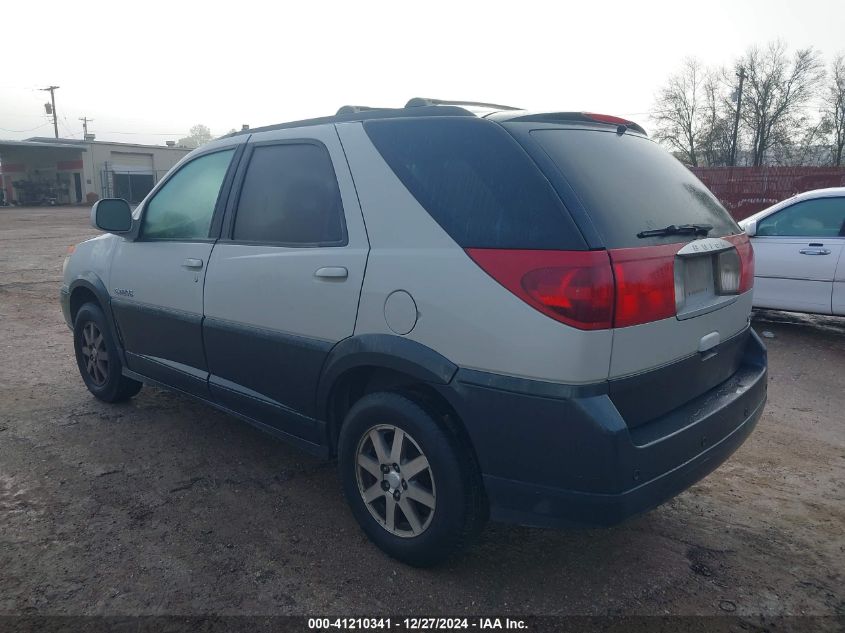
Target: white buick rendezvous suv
column 481, row 312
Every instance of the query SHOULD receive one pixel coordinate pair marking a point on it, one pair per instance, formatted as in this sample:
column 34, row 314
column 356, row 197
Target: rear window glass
column 476, row 182
column 629, row 184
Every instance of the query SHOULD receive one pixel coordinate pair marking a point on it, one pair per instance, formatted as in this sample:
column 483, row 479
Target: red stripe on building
column 8, row 168
column 65, row 165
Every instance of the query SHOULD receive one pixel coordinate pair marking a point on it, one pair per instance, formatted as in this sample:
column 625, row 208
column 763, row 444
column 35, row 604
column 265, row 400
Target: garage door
column 131, row 162
column 132, row 175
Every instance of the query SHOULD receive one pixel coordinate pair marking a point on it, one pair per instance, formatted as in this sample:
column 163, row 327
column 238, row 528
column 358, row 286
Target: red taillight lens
column 594, row 290
column 573, row 287
column 645, row 283
column 746, row 257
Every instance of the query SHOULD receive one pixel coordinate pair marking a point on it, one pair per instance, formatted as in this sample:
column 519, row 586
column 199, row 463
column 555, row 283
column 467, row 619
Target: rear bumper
column 556, row 456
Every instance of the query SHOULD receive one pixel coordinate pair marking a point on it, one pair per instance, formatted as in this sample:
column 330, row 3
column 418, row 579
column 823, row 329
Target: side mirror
column 112, row 215
column 751, row 229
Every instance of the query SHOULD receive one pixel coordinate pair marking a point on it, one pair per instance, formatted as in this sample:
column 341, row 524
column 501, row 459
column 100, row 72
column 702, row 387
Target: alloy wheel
column 94, row 353
column 395, row 480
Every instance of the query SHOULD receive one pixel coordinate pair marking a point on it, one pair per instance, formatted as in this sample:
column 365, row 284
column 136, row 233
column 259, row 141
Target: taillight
column 573, row 287
column 594, row 290
column 645, row 283
column 746, row 258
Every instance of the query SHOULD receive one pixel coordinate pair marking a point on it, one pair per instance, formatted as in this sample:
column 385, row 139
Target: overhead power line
column 149, row 133
column 32, row 129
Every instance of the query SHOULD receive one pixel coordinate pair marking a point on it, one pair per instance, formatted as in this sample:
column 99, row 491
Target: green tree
column 198, row 135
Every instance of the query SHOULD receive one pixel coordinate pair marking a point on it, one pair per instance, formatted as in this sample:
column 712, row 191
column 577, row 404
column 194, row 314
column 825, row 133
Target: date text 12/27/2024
column 416, row 624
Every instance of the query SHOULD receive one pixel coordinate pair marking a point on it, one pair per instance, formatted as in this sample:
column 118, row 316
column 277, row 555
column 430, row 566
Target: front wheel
column 97, row 357
column 411, row 482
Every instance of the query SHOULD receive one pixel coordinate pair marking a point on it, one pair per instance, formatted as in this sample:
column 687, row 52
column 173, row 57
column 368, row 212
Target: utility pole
column 85, row 121
column 52, row 91
column 741, row 75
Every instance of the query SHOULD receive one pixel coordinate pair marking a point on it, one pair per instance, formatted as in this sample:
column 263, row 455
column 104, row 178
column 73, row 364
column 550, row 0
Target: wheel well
column 79, row 297
column 357, row 383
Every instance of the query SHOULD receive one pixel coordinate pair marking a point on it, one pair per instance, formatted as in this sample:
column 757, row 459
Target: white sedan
column 798, row 252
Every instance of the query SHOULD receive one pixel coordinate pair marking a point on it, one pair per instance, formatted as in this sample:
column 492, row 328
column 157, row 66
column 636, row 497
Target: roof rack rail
column 353, row 109
column 417, row 102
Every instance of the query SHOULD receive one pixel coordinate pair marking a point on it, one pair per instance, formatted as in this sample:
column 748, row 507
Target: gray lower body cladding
column 555, row 455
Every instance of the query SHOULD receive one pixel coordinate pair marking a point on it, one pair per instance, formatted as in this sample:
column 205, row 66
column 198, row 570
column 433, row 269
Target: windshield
column 629, row 185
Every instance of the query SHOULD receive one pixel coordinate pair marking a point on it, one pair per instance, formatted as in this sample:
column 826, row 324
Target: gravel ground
column 165, row 506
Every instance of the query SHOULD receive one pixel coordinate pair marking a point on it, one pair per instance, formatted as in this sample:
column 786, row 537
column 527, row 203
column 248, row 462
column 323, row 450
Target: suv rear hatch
column 682, row 268
column 674, row 303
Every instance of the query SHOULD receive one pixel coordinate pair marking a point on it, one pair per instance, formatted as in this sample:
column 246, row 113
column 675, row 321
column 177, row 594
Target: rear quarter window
column 628, row 184
column 476, row 182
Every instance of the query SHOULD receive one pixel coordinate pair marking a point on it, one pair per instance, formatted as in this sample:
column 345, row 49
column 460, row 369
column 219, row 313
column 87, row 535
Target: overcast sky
column 147, row 71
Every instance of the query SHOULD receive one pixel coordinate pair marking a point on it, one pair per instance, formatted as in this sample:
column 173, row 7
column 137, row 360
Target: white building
column 69, row 171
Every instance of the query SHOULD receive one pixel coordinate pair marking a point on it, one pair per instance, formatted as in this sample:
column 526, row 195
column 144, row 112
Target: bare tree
column 777, row 90
column 833, row 110
column 718, row 114
column 679, row 111
column 198, row 135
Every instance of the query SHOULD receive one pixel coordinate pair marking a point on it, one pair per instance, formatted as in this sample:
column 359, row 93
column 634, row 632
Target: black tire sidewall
column 109, row 391
column 444, row 533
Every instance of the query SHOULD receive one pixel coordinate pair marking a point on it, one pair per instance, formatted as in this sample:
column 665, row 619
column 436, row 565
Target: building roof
column 72, row 142
column 36, row 143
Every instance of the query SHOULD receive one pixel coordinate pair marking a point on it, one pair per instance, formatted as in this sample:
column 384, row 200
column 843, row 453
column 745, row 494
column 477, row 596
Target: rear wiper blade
column 678, row 229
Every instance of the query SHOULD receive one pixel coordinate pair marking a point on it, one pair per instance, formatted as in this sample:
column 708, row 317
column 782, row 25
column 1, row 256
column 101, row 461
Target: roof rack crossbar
column 423, row 101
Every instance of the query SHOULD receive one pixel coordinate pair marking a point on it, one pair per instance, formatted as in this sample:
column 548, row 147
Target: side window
column 182, row 208
column 290, row 196
column 822, row 217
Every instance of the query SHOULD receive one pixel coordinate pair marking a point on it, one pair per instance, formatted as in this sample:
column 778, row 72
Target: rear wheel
column 411, row 483
column 97, row 357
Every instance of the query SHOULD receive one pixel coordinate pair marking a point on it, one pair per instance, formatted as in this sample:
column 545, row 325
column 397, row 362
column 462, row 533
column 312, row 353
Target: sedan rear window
column 628, row 184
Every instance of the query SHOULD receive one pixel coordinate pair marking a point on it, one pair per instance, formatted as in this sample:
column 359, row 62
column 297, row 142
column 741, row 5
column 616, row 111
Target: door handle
column 815, row 251
column 332, row 272
column 192, row 262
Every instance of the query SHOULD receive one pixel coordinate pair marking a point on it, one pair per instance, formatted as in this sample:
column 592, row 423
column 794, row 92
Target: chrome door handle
column 332, row 272
column 192, row 262
column 815, row 251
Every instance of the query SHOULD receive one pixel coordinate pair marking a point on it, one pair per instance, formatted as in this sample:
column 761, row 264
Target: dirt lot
column 165, row 506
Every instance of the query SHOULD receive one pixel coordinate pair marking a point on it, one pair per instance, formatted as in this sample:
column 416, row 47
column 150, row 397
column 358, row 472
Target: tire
column 102, row 374
column 438, row 503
